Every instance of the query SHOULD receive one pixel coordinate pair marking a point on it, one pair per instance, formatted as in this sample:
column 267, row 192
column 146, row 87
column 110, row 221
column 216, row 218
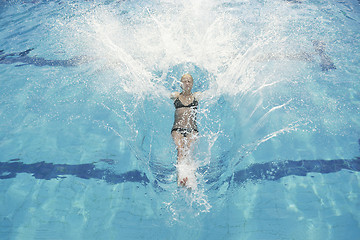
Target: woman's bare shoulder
column 174, row 95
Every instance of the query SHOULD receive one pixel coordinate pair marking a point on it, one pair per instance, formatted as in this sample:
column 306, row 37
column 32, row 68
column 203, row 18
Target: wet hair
column 187, row 75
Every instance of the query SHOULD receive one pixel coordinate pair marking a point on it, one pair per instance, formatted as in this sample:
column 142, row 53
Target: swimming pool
column 85, row 117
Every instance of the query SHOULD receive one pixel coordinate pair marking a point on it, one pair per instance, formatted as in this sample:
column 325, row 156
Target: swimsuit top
column 179, row 104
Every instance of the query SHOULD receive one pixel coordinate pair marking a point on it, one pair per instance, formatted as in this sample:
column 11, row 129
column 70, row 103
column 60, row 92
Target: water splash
column 252, row 93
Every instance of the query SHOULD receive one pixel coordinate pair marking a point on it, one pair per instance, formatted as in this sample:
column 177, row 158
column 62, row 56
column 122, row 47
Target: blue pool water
column 85, row 119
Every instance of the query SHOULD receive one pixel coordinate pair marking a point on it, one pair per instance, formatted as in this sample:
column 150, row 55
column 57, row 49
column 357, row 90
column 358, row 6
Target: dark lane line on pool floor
column 23, row 59
column 261, row 171
column 47, row 171
column 276, row 170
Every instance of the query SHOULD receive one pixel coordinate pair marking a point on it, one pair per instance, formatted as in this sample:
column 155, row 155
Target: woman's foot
column 183, row 182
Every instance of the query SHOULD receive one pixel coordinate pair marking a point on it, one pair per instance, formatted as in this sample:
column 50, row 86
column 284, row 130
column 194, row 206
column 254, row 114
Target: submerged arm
column 198, row 95
column 174, row 95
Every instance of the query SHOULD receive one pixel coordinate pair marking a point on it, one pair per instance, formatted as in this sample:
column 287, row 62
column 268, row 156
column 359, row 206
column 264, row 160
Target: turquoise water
column 85, row 119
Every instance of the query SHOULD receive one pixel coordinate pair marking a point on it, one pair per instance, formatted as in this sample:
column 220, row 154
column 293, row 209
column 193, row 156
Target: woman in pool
column 184, row 131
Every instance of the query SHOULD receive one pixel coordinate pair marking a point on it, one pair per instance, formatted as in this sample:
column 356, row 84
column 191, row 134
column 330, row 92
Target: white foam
column 187, row 169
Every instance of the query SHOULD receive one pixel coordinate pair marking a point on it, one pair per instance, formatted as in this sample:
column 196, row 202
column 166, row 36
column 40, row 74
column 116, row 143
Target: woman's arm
column 174, row 95
column 198, row 95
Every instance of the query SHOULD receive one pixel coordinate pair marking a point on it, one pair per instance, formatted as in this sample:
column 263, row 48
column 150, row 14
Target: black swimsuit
column 179, row 104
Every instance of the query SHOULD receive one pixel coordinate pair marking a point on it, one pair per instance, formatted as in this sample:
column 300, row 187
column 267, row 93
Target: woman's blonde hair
column 187, row 75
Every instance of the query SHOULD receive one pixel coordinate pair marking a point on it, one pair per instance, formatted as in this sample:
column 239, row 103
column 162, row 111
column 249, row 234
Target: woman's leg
column 190, row 140
column 184, row 145
column 179, row 141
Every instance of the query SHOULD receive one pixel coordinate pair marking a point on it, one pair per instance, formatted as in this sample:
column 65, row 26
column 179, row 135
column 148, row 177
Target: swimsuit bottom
column 184, row 131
